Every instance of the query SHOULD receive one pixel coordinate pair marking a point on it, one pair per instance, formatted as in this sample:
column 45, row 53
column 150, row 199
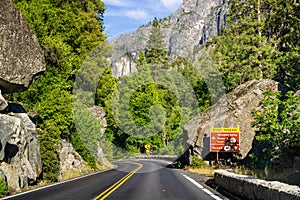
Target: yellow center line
column 115, row 186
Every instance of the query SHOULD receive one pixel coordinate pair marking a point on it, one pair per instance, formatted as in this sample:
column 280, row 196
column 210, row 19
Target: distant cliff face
column 195, row 22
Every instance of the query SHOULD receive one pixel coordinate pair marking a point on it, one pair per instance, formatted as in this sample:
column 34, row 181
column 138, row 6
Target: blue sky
column 124, row 16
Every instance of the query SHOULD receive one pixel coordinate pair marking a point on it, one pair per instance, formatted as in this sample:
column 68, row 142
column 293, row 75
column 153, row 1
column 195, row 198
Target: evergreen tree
column 156, row 49
column 278, row 129
column 243, row 52
column 282, row 25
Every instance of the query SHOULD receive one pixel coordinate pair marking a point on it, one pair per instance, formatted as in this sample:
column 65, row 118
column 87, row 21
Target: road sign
column 225, row 139
column 147, row 147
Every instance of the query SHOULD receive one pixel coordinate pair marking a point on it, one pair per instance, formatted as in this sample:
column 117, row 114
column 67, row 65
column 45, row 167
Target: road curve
column 132, row 180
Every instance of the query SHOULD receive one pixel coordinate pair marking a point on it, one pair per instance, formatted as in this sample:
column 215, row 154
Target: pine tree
column 156, row 49
column 243, row 52
column 282, row 25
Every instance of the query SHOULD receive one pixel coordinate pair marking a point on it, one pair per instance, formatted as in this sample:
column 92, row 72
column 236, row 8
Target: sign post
column 224, row 140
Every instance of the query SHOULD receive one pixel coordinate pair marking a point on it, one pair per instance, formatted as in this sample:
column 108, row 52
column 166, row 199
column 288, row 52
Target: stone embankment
column 251, row 188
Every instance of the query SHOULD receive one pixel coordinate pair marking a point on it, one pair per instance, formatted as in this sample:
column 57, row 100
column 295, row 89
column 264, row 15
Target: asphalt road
column 131, row 180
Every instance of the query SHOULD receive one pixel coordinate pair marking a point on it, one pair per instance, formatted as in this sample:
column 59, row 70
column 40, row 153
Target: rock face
column 19, row 148
column 21, row 58
column 69, row 158
column 233, row 109
column 195, row 22
column 99, row 114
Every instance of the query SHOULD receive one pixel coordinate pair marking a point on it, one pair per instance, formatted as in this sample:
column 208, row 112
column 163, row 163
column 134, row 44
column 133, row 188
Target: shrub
column 198, row 162
column 3, row 187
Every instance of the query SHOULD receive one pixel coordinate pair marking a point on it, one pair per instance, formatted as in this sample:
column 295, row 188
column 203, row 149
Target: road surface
column 130, row 180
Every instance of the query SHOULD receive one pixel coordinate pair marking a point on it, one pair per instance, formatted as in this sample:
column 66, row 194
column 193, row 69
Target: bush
column 198, row 162
column 278, row 129
column 3, row 187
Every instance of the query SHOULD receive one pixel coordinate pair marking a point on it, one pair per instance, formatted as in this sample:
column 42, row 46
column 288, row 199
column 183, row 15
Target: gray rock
column 194, row 23
column 21, row 58
column 99, row 114
column 251, row 188
column 69, row 158
column 232, row 110
column 3, row 103
column 19, row 152
column 12, row 177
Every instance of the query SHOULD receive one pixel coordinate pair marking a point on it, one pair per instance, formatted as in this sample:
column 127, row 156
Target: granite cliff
column 195, row 22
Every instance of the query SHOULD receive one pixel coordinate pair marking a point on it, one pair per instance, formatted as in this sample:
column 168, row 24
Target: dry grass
column 206, row 171
column 72, row 173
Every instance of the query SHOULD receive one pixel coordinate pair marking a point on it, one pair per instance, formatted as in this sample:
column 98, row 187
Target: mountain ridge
column 194, row 23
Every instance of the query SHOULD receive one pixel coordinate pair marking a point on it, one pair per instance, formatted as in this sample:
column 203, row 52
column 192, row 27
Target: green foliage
column 283, row 26
column 67, row 31
column 49, row 156
column 80, row 148
column 198, row 162
column 261, row 40
column 105, row 88
column 278, row 127
column 242, row 52
column 156, row 50
column 3, row 187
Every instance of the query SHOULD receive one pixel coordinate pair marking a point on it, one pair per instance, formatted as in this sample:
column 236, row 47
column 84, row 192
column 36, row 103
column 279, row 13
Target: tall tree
column 243, row 52
column 282, row 25
column 156, row 49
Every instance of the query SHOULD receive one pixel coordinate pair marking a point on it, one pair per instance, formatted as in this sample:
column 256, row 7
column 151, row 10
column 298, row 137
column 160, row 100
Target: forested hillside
column 67, row 31
column 261, row 40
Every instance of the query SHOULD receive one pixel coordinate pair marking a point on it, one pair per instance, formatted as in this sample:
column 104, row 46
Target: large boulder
column 21, row 58
column 232, row 110
column 20, row 160
column 69, row 159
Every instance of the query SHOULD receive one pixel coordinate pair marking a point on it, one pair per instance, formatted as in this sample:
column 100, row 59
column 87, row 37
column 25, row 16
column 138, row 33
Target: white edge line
column 193, row 181
column 202, row 188
column 58, row 183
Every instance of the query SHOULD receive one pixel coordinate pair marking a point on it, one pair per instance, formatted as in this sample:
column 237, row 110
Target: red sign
column 225, row 139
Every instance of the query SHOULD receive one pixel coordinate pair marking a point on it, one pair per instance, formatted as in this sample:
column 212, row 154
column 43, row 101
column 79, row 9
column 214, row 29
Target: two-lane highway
column 132, row 180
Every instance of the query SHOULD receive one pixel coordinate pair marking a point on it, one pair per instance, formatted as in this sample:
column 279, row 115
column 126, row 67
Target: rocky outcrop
column 20, row 160
column 99, row 114
column 233, row 109
column 3, row 102
column 69, row 158
column 195, row 22
column 250, row 188
column 21, row 58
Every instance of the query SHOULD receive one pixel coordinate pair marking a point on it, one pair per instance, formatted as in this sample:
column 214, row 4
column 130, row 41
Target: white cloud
column 137, row 14
column 171, row 4
column 115, row 2
column 124, row 15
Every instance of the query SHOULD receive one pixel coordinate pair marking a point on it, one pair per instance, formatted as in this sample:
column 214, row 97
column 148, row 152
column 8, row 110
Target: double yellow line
column 115, row 186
